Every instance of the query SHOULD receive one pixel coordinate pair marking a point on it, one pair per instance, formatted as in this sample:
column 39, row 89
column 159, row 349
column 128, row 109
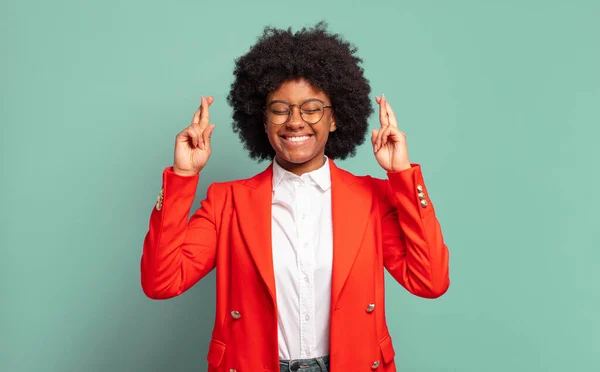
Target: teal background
column 500, row 102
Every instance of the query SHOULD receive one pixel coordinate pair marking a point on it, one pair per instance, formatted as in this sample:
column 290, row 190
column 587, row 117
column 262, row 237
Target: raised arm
column 178, row 252
column 413, row 246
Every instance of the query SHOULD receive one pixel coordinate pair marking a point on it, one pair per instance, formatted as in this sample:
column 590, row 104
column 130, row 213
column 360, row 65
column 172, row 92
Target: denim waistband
column 320, row 364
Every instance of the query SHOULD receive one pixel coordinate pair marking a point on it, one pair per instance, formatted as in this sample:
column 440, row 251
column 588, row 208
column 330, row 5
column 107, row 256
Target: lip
column 296, row 143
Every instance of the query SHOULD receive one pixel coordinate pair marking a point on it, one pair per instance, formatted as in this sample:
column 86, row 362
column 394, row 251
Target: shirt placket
column 305, row 271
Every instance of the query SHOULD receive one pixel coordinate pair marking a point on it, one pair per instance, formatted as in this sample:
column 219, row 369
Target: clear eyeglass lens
column 279, row 112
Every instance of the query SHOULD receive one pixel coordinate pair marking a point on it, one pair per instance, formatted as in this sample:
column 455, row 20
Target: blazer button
column 370, row 308
column 424, row 203
column 375, row 365
column 419, row 188
column 421, row 196
column 236, row 314
column 159, row 199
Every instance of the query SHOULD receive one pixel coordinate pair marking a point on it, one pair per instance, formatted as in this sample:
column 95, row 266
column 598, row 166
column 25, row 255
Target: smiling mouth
column 297, row 139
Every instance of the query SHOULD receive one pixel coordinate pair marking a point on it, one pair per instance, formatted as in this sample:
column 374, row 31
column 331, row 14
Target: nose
column 296, row 120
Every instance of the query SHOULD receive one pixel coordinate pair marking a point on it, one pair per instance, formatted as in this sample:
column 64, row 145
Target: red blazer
column 376, row 223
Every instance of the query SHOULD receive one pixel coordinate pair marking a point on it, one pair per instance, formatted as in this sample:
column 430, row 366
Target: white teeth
column 297, row 139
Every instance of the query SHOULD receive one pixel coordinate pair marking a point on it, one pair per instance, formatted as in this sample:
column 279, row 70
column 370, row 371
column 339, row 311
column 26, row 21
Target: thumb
column 206, row 136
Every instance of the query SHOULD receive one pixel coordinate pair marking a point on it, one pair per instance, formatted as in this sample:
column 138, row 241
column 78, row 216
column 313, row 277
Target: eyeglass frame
column 290, row 105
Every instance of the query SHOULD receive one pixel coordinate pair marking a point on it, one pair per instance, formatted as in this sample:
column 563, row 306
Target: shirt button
column 307, row 317
column 306, row 279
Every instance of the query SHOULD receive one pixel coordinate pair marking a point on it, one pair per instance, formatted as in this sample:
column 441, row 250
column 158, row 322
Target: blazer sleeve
column 414, row 251
column 178, row 252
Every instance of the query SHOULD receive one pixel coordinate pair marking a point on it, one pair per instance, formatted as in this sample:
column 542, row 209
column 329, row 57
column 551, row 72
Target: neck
column 301, row 168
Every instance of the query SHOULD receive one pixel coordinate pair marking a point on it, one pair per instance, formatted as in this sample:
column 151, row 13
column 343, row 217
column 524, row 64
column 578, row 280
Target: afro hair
column 325, row 60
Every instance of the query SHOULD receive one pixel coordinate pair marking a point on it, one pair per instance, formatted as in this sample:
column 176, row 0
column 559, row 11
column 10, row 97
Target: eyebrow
column 283, row 101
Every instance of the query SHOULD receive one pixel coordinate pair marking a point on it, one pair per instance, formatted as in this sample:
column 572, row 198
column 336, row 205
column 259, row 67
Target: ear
column 332, row 126
column 265, row 121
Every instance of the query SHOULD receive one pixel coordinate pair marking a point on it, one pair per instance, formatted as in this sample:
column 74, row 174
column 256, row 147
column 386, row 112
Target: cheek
column 324, row 134
column 272, row 136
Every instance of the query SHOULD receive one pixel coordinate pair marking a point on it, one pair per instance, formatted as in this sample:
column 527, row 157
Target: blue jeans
column 320, row 364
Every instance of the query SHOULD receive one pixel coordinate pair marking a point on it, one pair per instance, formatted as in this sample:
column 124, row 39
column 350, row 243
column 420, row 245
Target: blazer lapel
column 252, row 200
column 350, row 208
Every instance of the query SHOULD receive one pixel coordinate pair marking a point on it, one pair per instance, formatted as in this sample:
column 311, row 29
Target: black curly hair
column 324, row 59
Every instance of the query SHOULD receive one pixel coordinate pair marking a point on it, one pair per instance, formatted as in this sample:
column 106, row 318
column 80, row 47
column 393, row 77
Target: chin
column 296, row 158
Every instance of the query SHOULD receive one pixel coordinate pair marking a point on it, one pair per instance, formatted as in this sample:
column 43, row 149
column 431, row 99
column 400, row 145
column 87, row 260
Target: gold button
column 419, row 188
column 424, row 203
column 421, row 196
column 236, row 314
column 370, row 308
column 375, row 365
column 159, row 199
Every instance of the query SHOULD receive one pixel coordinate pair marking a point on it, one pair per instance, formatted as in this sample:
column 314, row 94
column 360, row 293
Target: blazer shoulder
column 365, row 186
column 368, row 181
column 226, row 187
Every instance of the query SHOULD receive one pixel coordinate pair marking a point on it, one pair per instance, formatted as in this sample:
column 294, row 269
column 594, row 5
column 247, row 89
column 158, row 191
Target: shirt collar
column 321, row 176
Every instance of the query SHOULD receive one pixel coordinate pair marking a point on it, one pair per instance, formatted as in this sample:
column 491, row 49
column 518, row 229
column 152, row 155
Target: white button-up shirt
column 302, row 258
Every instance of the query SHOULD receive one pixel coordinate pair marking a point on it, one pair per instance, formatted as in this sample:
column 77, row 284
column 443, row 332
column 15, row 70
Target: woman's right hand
column 192, row 145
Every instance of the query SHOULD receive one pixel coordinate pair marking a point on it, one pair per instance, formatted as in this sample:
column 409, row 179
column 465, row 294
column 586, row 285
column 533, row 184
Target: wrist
column 184, row 173
column 400, row 168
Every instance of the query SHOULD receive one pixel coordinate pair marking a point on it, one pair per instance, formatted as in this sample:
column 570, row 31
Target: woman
column 300, row 248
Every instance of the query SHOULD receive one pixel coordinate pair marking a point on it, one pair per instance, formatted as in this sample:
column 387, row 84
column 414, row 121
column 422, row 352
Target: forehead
column 296, row 90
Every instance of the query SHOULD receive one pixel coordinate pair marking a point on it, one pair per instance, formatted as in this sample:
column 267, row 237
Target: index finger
column 196, row 117
column 391, row 115
column 383, row 116
column 204, row 113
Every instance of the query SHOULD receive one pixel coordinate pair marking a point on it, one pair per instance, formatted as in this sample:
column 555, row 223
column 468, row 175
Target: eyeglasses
column 311, row 111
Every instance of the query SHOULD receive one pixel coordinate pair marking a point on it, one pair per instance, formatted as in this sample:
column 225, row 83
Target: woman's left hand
column 389, row 143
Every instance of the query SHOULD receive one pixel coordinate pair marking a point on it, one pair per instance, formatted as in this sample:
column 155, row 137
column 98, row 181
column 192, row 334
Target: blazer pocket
column 387, row 349
column 216, row 350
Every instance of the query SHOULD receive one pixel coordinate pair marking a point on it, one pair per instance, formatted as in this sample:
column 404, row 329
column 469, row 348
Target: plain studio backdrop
column 500, row 102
